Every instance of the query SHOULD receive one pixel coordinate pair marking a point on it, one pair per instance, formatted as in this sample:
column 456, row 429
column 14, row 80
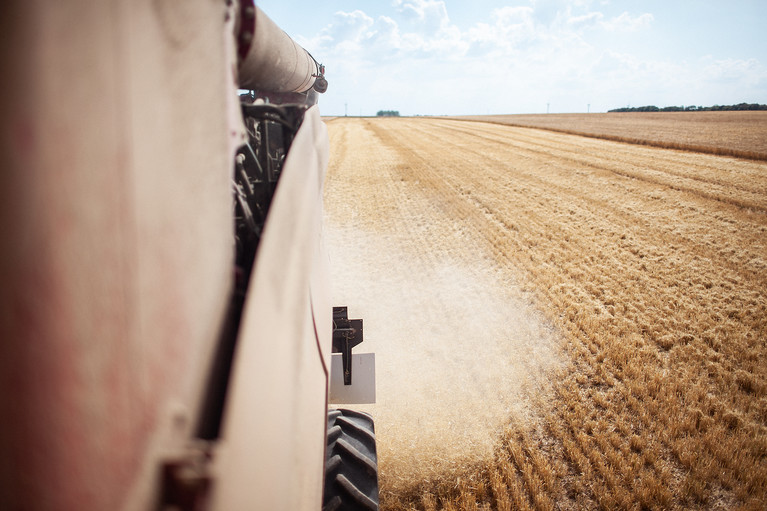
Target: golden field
column 742, row 134
column 649, row 267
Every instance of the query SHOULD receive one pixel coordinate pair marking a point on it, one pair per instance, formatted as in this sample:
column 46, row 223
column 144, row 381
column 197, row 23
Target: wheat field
column 638, row 276
column 731, row 133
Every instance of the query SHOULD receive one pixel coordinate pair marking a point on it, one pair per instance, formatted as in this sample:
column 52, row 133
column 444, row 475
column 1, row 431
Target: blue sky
column 434, row 57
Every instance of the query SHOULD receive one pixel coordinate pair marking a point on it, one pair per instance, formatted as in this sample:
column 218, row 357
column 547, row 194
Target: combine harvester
column 168, row 340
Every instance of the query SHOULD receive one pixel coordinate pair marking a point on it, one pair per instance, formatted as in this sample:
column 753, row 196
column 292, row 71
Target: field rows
column 733, row 133
column 650, row 266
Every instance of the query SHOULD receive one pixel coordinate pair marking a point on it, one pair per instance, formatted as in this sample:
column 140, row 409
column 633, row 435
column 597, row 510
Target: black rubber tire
column 351, row 463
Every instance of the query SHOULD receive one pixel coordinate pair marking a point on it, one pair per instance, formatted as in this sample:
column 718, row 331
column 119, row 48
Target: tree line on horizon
column 692, row 108
column 388, row 113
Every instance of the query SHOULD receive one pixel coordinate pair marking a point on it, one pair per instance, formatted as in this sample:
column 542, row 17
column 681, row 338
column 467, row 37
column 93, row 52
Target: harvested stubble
column 736, row 133
column 650, row 263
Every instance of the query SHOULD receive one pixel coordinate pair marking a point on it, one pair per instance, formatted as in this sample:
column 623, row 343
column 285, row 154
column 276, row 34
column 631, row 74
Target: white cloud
column 628, row 23
column 351, row 25
column 416, row 60
column 728, row 68
column 548, row 12
column 747, row 72
column 625, row 22
column 592, row 19
column 511, row 29
column 346, row 33
column 429, row 15
column 424, row 30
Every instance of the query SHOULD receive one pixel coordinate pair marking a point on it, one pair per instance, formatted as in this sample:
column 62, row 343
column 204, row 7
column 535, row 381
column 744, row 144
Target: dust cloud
column 459, row 351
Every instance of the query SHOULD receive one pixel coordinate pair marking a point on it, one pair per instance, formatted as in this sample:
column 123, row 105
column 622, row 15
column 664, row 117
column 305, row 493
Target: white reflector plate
column 363, row 387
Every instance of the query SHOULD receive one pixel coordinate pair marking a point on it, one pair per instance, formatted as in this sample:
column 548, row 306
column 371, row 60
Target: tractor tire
column 351, row 463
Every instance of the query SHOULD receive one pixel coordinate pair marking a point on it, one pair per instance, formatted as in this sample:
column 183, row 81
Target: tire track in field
column 643, row 162
column 648, row 243
column 438, row 169
column 430, row 170
column 458, row 349
column 710, row 165
column 673, row 169
column 643, row 279
column 578, row 187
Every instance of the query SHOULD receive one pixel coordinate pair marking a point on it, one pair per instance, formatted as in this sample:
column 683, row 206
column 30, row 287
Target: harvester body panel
column 284, row 346
column 140, row 369
column 117, row 143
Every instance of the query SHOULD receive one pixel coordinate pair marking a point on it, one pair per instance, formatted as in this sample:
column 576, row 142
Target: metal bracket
column 186, row 481
column 347, row 333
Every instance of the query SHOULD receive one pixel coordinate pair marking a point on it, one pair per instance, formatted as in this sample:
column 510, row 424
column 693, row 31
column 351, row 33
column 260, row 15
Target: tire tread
column 351, row 468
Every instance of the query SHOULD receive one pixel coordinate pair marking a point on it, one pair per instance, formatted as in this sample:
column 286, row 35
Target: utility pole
column 346, row 109
column 588, row 108
column 547, row 108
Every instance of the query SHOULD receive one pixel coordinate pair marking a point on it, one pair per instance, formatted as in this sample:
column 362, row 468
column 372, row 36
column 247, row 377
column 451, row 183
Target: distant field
column 742, row 134
column 644, row 386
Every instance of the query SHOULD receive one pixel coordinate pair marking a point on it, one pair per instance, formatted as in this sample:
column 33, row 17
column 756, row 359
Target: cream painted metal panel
column 116, row 234
column 271, row 454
